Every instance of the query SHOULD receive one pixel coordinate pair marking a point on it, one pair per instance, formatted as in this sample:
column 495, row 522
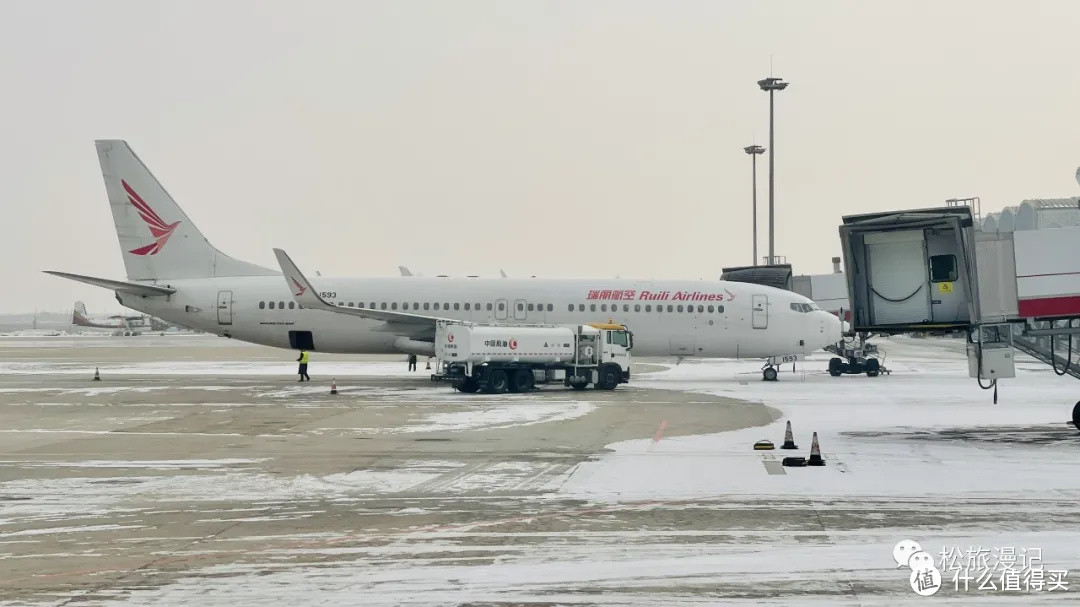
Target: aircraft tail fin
column 157, row 240
column 78, row 314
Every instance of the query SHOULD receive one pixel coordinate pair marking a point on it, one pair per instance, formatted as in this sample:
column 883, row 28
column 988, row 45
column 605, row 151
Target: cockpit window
column 804, row 308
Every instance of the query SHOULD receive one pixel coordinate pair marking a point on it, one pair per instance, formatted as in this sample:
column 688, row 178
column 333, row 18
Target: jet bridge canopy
column 911, row 270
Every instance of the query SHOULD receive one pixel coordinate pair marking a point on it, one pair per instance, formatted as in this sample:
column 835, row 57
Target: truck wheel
column 769, row 374
column 497, row 382
column 579, row 385
column 835, row 366
column 522, row 381
column 872, row 367
column 468, row 386
column 1076, row 415
column 609, row 377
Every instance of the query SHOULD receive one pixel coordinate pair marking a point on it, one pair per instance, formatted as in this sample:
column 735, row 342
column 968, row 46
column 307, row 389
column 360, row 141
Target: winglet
column 301, row 289
column 404, row 271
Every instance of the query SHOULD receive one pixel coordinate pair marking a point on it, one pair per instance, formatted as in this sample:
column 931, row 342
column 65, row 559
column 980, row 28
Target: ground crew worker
column 412, row 362
column 303, row 360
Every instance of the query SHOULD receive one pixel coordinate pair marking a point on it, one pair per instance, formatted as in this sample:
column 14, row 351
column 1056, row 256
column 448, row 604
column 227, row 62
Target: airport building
column 1034, row 214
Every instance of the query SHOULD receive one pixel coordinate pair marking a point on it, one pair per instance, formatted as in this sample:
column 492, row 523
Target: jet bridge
column 932, row 271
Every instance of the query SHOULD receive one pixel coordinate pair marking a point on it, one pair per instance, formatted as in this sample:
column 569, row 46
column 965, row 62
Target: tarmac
column 137, row 480
column 197, row 471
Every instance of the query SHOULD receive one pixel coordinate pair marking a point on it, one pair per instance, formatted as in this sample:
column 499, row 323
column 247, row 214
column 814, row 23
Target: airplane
column 174, row 273
column 122, row 325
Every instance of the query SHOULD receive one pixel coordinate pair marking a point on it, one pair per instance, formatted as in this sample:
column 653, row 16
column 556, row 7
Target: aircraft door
column 500, row 309
column 519, row 309
column 759, row 316
column 224, row 307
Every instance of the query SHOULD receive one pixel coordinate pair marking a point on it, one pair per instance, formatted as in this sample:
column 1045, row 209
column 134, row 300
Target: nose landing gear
column 768, row 372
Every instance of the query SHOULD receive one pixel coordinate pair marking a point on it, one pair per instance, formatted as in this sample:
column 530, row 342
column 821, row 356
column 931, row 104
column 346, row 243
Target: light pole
column 771, row 84
column 754, row 151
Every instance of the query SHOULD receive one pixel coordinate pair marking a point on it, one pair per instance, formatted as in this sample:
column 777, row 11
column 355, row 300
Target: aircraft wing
column 403, row 323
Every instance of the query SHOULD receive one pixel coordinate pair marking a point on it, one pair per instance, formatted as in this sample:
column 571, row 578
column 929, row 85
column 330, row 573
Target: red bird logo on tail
column 158, row 228
column 300, row 289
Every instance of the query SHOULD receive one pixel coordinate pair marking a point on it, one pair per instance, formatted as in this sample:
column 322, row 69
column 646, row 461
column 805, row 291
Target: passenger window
column 502, row 306
column 393, row 306
column 457, row 306
column 281, row 305
column 382, row 305
column 943, row 268
column 603, row 307
column 445, row 306
column 415, row 306
column 626, row 307
column 592, row 307
column 489, row 307
column 680, row 307
column 648, row 307
column 262, row 305
column 427, row 305
column 581, row 307
column 530, row 307
column 700, row 309
column 570, row 308
column 359, row 304
column 710, row 309
column 271, row 305
column 671, row 308
column 637, row 307
column 659, row 308
column 720, row 309
column 476, row 307
column 550, row 308
column 293, row 303
column 467, row 307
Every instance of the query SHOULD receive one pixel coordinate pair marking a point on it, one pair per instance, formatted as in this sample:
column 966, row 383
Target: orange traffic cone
column 789, row 438
column 333, row 386
column 97, row 374
column 815, row 454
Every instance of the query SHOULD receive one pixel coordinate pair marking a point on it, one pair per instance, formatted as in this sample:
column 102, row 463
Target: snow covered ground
column 920, row 454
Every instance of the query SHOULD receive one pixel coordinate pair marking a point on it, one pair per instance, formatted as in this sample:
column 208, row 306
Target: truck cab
column 616, row 341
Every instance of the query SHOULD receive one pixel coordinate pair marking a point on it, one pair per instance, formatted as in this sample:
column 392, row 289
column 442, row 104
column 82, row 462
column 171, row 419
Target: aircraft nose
column 833, row 328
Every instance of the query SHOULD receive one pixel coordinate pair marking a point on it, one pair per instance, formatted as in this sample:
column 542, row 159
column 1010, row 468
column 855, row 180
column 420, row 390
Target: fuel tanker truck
column 499, row 358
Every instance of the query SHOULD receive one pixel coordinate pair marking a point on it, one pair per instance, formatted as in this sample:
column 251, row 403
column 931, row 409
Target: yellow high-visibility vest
column 303, row 358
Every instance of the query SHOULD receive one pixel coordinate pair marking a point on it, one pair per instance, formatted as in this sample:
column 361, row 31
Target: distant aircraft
column 80, row 318
column 121, row 325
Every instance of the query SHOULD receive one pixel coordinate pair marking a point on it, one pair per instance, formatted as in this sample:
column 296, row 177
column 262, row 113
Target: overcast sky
column 547, row 138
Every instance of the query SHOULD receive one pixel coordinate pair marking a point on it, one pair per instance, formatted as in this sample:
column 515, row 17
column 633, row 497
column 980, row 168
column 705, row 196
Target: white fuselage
column 755, row 321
